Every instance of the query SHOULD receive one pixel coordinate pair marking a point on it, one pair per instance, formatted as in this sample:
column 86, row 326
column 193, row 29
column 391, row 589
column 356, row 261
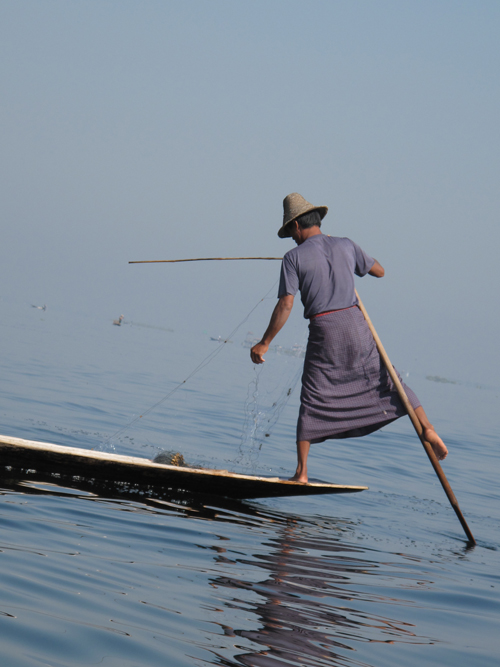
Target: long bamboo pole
column 196, row 259
column 418, row 427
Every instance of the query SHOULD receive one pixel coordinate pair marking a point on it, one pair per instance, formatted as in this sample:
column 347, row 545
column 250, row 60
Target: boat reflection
column 280, row 590
column 309, row 608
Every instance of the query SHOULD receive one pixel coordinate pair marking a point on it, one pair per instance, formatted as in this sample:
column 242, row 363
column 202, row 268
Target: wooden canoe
column 70, row 462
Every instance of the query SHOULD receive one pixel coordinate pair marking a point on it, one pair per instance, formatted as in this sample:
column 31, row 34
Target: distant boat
column 118, row 321
column 219, row 339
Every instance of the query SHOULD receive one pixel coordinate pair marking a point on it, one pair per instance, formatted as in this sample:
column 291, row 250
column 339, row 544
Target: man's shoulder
column 341, row 243
column 339, row 239
column 326, row 241
column 291, row 254
column 314, row 243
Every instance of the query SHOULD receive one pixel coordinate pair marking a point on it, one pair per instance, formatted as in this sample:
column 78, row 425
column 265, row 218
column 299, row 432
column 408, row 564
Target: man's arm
column 377, row 270
column 280, row 315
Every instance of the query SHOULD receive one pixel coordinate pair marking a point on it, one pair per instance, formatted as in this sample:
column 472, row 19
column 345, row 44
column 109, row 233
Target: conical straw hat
column 294, row 206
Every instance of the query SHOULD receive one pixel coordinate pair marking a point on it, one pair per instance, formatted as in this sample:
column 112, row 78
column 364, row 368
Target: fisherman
column 346, row 389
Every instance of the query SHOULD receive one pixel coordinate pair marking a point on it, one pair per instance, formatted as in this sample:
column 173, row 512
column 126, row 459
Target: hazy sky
column 156, row 130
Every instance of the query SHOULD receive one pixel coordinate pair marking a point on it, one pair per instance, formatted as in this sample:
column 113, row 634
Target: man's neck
column 307, row 233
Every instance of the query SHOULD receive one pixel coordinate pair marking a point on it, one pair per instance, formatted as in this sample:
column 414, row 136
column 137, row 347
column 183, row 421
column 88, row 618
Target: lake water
column 384, row 577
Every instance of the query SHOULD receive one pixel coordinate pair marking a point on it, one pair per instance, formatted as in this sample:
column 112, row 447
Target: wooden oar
column 418, row 427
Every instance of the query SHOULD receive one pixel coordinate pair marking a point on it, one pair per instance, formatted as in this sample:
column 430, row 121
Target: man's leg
column 302, row 452
column 440, row 449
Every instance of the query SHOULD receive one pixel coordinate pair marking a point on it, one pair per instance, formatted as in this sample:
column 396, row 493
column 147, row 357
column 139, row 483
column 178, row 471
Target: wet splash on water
column 268, row 394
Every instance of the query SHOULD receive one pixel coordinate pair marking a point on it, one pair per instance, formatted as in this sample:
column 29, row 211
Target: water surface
column 113, row 578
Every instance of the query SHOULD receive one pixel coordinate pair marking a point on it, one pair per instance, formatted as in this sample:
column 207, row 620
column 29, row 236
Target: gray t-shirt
column 323, row 269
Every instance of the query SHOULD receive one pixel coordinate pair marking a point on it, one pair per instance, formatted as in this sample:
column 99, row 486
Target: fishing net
column 170, row 458
column 268, row 393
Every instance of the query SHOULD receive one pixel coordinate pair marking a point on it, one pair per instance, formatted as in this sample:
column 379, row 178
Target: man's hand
column 257, row 353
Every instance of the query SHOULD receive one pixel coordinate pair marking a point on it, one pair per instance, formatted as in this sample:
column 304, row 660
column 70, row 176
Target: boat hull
column 60, row 461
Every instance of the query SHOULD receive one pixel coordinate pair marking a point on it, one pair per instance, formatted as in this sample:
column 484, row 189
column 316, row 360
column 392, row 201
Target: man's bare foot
column 299, row 478
column 438, row 446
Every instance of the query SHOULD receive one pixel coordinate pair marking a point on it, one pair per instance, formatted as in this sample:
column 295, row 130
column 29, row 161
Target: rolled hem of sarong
column 354, row 432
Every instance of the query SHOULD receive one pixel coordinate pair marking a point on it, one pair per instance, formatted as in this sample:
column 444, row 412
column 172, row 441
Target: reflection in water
column 297, row 592
column 309, row 612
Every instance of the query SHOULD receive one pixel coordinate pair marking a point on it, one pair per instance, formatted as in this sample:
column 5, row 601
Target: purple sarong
column 346, row 390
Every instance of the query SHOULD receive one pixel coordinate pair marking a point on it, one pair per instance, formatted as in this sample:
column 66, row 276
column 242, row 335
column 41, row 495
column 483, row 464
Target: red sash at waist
column 331, row 311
